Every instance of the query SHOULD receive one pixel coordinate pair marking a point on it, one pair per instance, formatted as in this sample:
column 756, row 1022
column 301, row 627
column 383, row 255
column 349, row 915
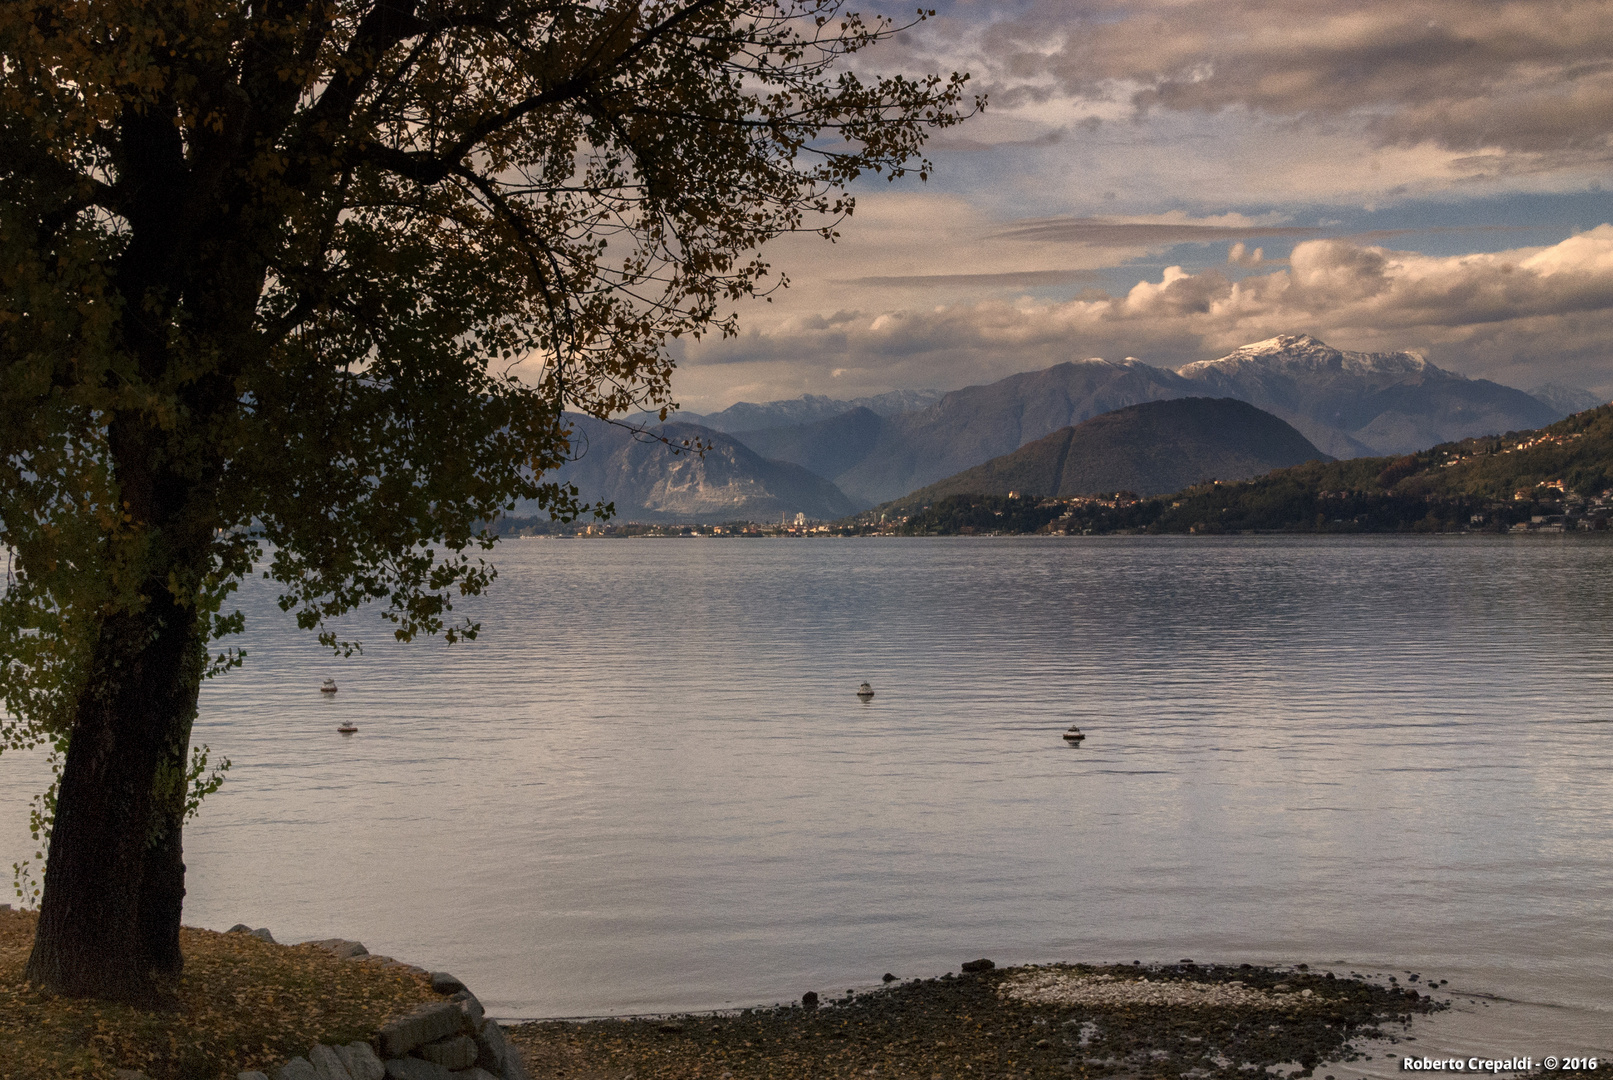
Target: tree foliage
column 309, row 284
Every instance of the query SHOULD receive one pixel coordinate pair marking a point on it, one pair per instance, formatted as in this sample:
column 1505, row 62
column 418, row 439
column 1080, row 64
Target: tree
column 268, row 268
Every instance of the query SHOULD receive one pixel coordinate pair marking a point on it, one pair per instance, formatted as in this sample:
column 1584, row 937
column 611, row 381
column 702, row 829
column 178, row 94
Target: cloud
column 1107, row 232
column 1525, row 314
column 1011, row 279
column 1521, row 83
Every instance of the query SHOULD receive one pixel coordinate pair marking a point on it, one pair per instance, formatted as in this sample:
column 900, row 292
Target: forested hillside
column 1551, row 478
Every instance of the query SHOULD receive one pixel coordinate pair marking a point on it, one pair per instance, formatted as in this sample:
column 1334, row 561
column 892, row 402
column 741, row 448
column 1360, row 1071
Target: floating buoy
column 865, row 691
column 347, row 728
column 328, row 686
column 1074, row 735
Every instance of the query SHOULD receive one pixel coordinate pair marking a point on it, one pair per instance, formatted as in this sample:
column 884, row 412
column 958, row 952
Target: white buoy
column 865, row 691
column 328, row 686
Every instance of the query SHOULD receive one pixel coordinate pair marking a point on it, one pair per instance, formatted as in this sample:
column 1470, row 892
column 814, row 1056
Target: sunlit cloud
column 1501, row 314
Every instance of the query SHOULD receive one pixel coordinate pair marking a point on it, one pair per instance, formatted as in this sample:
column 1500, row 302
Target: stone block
column 458, row 1052
column 491, row 1049
column 415, row 1069
column 514, row 1069
column 425, row 1024
column 296, row 1069
column 472, row 1009
column 361, row 1062
column 327, row 1063
column 262, row 934
column 239, row 928
column 444, row 983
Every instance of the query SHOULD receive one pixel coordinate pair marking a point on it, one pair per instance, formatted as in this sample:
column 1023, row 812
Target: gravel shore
column 1180, row 1020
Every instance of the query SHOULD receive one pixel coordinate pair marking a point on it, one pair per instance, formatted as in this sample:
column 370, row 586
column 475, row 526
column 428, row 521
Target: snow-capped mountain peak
column 1301, row 353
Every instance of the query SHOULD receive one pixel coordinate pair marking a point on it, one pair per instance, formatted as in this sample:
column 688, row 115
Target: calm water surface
column 649, row 787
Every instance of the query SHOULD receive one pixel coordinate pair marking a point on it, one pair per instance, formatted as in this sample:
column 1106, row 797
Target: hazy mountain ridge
column 973, row 425
column 1567, row 399
column 651, row 481
column 1151, row 448
column 1348, row 404
column 749, row 416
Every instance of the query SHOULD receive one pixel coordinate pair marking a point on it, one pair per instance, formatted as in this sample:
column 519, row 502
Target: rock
column 514, row 1068
column 444, row 983
column 239, row 928
column 361, row 1062
column 262, row 934
column 671, row 1028
column 251, row 1076
column 327, row 1063
column 415, row 1069
column 457, row 1052
column 341, row 948
column 809, row 1000
column 491, row 1049
column 425, row 1024
column 129, row 1074
column 982, row 964
column 296, row 1069
column 474, row 1074
column 472, row 1009
column 887, row 977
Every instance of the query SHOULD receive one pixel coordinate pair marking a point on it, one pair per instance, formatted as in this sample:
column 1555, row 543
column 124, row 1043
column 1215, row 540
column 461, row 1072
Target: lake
column 649, row 785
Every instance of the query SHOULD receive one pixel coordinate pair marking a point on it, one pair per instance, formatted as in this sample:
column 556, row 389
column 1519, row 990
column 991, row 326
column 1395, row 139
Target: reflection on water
column 650, row 785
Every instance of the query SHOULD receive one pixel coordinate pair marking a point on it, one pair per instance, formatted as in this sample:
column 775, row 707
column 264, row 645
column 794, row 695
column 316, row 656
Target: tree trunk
column 162, row 883
column 109, row 916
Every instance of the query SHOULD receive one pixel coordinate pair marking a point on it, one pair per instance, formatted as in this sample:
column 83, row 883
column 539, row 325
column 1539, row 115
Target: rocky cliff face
column 649, row 480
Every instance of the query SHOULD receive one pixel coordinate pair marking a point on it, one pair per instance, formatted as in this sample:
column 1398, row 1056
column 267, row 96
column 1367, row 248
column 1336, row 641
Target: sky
column 1170, row 179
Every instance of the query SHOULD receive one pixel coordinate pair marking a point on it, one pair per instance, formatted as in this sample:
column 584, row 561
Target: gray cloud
column 1027, row 278
column 1520, row 76
column 1102, row 232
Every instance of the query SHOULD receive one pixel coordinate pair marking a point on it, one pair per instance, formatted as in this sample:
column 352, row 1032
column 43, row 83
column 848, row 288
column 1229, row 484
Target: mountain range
column 1348, row 404
column 807, row 409
column 816, row 454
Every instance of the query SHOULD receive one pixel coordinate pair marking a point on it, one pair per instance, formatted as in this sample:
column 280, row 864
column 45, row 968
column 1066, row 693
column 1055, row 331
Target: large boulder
column 425, row 1024
column 475, row 1015
column 457, row 1052
column 327, row 1064
column 296, row 1069
column 412, row 1068
column 361, row 1062
column 491, row 1049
